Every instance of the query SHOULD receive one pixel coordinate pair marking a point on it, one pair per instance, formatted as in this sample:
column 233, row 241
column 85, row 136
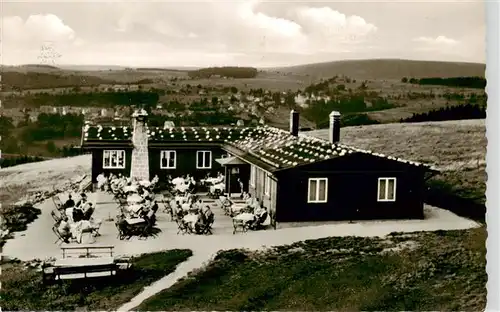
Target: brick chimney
column 140, row 154
column 334, row 133
column 294, row 123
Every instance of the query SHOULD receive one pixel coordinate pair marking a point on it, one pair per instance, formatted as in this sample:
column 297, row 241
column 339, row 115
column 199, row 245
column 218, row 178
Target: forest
column 459, row 82
column 230, row 72
column 459, row 112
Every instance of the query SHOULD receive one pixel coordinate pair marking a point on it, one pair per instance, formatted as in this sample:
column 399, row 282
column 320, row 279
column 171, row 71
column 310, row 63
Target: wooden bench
column 80, row 271
column 87, row 250
column 84, row 265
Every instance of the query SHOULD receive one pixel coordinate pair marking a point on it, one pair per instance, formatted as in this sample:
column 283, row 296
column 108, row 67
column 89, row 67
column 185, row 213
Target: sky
column 239, row 32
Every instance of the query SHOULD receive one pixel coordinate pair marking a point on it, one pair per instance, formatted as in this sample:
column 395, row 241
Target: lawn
column 22, row 287
column 418, row 271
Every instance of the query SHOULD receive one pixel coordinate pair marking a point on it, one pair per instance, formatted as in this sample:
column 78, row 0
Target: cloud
column 439, row 40
column 327, row 24
column 36, row 28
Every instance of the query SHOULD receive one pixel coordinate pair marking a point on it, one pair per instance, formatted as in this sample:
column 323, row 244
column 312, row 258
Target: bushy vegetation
column 23, row 290
column 16, row 81
column 459, row 112
column 16, row 218
column 53, row 126
column 459, row 82
column 14, row 161
column 94, row 99
column 319, row 110
column 443, row 270
column 229, row 71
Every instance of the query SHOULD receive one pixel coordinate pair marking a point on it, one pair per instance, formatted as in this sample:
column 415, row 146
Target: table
column 180, row 199
column 181, row 187
column 135, row 198
column 238, row 207
column 247, row 217
column 132, row 221
column 130, row 188
column 220, row 186
column 134, row 208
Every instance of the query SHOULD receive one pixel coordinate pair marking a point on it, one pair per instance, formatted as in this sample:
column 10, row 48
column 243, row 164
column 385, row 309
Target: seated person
column 69, row 203
column 83, row 198
column 77, row 214
column 154, row 206
column 249, row 201
column 198, row 204
column 208, row 212
column 87, row 214
column 64, row 229
column 201, row 222
column 260, row 216
column 245, row 196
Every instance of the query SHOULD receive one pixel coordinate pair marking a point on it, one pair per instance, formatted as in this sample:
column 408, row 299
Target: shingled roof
column 276, row 147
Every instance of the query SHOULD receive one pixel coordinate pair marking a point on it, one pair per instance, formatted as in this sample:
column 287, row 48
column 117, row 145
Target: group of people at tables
column 216, row 185
column 183, row 184
column 190, row 210
column 121, row 185
column 252, row 212
column 76, row 218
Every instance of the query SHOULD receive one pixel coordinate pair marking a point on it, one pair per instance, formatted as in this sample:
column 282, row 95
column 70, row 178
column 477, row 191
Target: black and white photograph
column 245, row 155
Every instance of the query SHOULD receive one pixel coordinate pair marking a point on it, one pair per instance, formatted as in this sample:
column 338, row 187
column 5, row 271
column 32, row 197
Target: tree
column 404, row 80
column 234, row 90
column 51, row 147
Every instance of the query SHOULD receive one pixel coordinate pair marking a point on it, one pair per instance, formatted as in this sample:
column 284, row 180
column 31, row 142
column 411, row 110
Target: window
column 386, row 189
column 267, row 185
column 253, row 175
column 317, row 191
column 113, row 159
column 168, row 160
column 203, row 160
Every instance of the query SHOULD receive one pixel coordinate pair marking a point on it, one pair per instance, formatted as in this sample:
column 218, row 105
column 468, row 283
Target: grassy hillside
column 436, row 271
column 12, row 80
column 386, row 69
column 458, row 148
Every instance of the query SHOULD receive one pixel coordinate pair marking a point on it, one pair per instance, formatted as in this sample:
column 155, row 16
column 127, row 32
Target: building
column 298, row 178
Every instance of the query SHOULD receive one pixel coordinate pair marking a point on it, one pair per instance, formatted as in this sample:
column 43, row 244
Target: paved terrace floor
column 38, row 240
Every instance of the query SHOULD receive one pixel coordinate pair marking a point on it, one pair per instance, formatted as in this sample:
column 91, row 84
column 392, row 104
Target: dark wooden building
column 298, row 178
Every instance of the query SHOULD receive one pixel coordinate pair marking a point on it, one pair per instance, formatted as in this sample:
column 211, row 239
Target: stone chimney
column 140, row 154
column 334, row 133
column 294, row 123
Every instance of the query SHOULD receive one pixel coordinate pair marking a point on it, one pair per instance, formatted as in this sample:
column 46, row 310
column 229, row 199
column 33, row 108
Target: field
column 457, row 148
column 386, row 69
column 439, row 271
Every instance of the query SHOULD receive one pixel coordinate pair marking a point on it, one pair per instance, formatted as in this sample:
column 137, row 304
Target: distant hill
column 386, row 69
column 227, row 71
column 38, row 80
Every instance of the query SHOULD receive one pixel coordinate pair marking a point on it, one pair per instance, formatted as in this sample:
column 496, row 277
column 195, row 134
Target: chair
column 239, row 224
column 57, row 202
column 182, row 227
column 56, row 218
column 60, row 238
column 207, row 225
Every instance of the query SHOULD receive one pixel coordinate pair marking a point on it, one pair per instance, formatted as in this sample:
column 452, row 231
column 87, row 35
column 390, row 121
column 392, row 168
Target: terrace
column 40, row 238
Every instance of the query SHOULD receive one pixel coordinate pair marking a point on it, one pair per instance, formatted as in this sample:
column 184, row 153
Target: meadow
column 439, row 271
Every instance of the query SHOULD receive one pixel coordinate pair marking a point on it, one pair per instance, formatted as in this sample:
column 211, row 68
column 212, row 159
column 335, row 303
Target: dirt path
column 197, row 260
